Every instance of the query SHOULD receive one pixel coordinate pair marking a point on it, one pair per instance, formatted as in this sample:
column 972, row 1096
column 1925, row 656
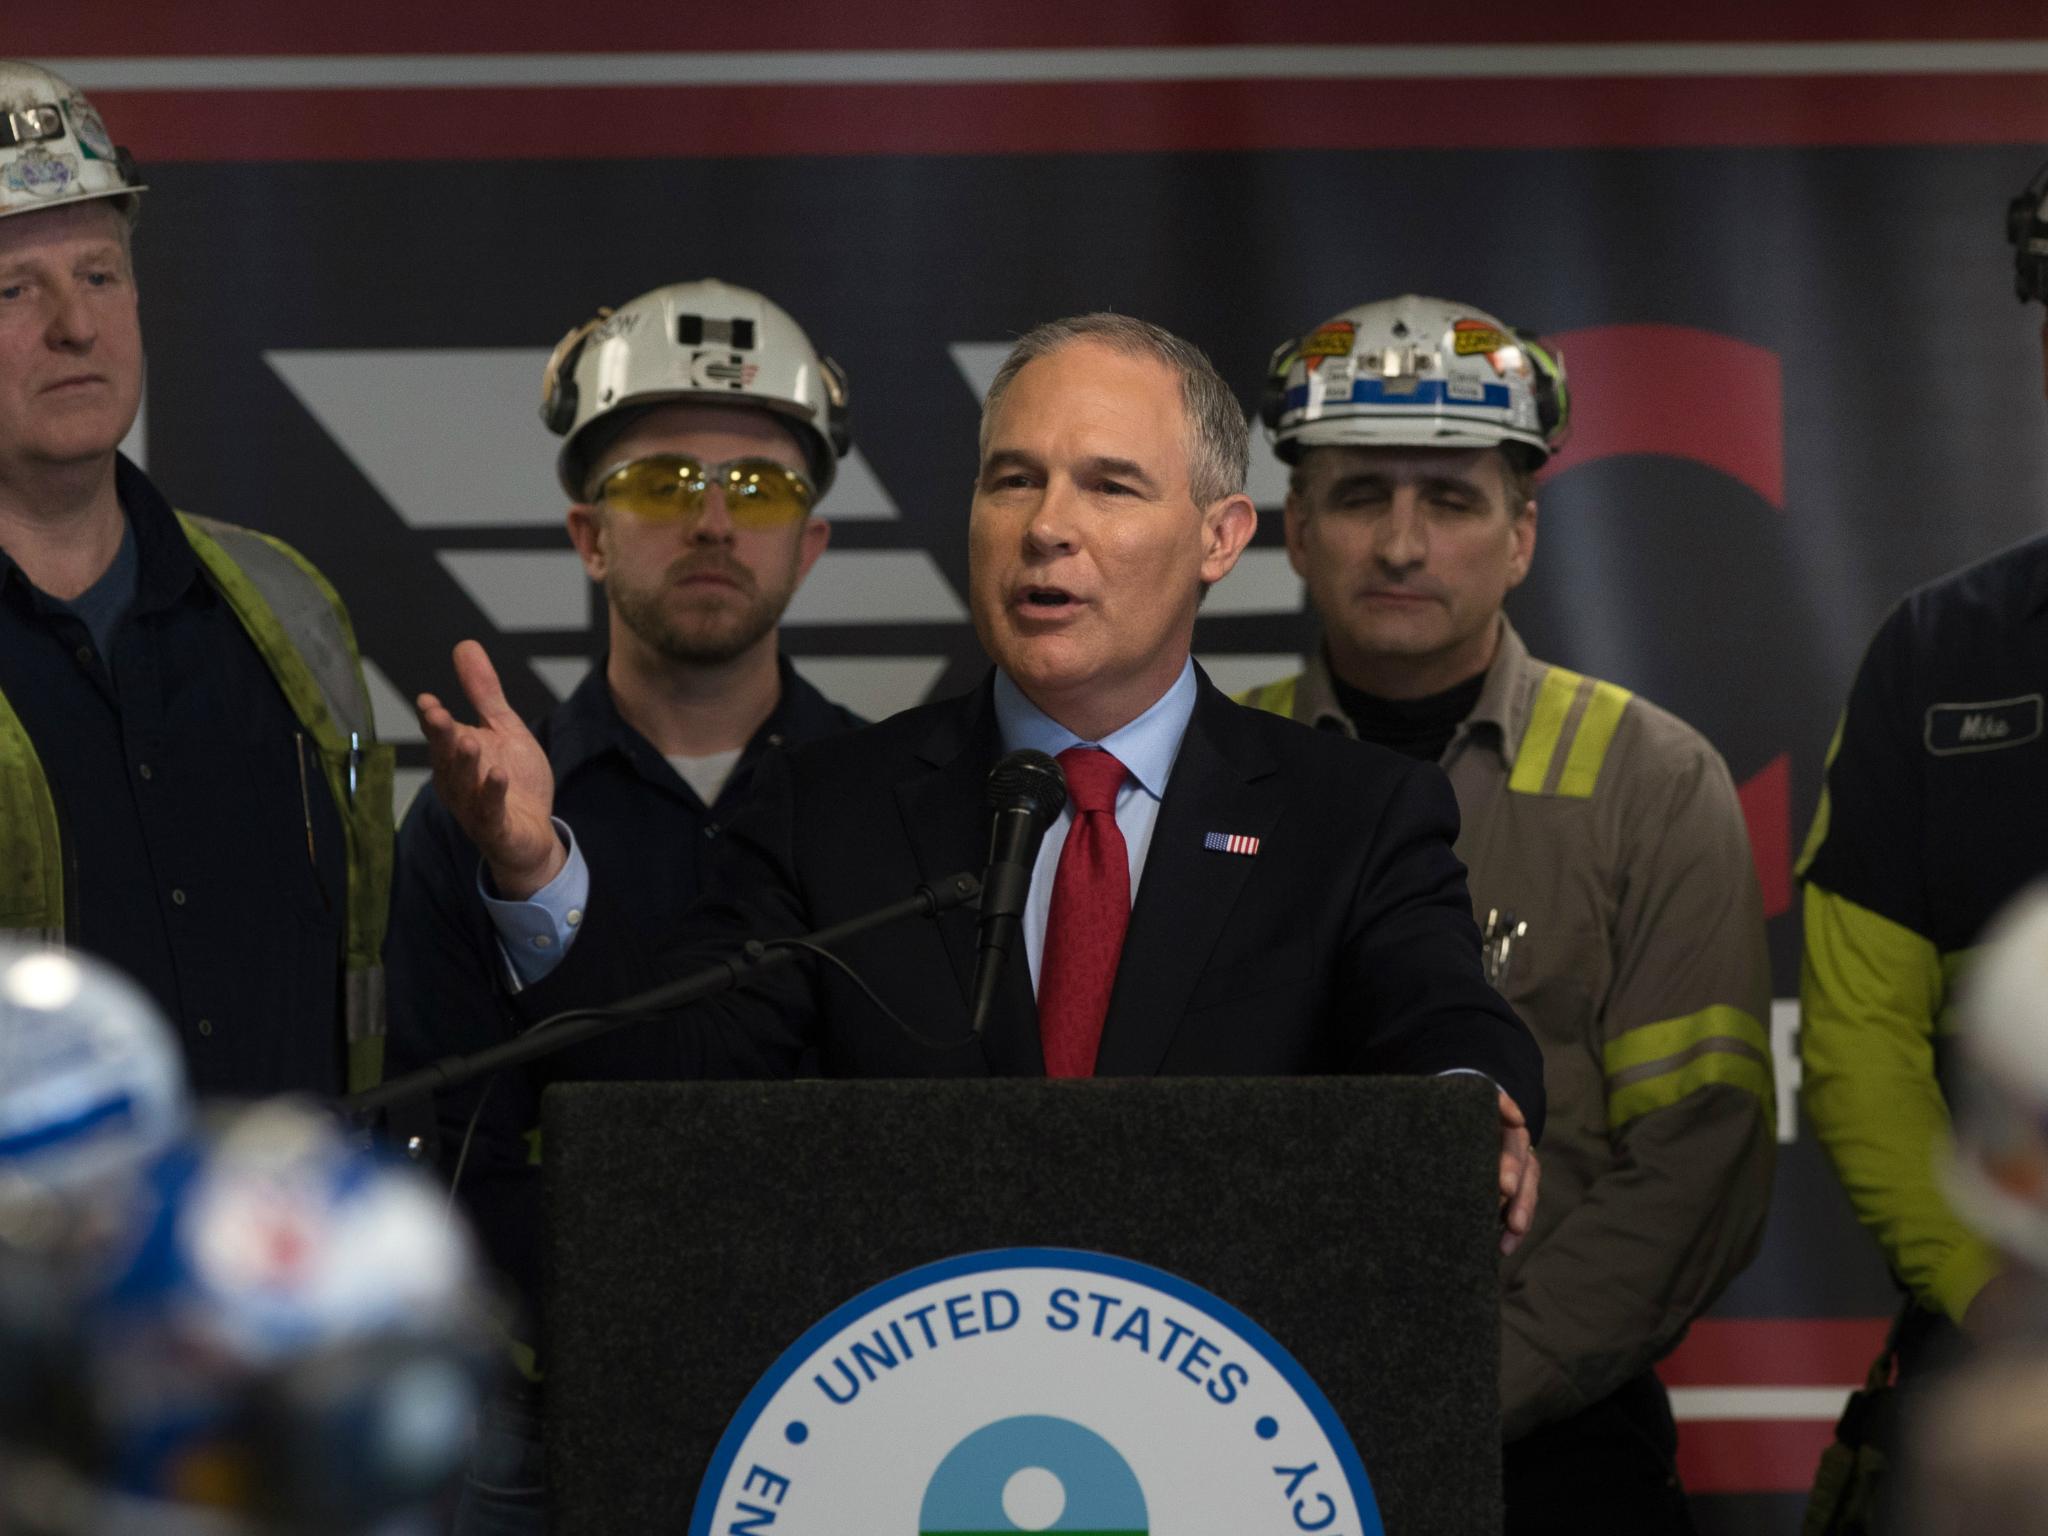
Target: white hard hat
column 1416, row 372
column 54, row 148
column 92, row 1085
column 1998, row 1177
column 705, row 341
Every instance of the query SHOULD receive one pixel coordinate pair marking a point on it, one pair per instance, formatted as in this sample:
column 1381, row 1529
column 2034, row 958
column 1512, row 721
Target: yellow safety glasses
column 670, row 487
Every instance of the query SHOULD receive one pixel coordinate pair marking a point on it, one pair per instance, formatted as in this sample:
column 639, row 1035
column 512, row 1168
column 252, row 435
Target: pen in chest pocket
column 1497, row 945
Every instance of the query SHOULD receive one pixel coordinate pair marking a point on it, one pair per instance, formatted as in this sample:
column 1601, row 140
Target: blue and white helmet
column 1416, row 372
column 92, row 1085
column 295, row 1339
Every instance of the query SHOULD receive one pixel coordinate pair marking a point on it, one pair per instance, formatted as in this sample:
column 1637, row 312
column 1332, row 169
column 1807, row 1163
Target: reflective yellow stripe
column 1668, row 1037
column 1591, row 741
column 1274, row 698
column 1546, row 724
column 1818, row 832
column 1871, row 994
column 31, row 845
column 1702, row 1071
column 365, row 1062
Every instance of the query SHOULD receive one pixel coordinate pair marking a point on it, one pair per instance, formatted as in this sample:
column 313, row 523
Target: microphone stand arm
column 757, row 957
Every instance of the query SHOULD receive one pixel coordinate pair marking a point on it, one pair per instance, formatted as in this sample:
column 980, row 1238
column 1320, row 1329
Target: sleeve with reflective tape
column 1870, row 990
column 1690, row 1106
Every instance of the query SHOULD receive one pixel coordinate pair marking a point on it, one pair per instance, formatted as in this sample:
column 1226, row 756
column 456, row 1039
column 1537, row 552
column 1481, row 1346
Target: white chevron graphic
column 876, row 586
column 873, row 687
column 478, row 456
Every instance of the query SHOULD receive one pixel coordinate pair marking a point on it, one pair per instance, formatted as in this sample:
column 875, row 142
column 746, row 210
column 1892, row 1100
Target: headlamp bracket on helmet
column 30, row 125
column 2026, row 231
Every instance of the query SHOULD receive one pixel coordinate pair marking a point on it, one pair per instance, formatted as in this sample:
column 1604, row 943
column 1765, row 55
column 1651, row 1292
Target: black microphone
column 1026, row 790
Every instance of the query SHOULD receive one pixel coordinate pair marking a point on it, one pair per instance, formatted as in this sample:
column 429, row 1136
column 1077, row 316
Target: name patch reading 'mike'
column 1984, row 726
column 1035, row 1389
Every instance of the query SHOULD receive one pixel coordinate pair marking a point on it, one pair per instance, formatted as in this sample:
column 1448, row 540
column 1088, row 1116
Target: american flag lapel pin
column 1230, row 842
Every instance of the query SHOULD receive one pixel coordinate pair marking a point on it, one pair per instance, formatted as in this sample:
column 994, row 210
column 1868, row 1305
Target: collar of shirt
column 1506, row 699
column 588, row 724
column 166, row 567
column 1147, row 746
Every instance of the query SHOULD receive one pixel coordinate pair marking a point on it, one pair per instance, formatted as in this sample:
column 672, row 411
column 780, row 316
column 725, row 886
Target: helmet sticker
column 93, row 137
column 38, row 173
column 1332, row 340
column 1470, row 338
column 721, row 370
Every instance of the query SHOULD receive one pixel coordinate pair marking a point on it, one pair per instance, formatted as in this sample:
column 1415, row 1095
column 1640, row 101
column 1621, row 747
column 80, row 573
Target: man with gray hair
column 1224, row 894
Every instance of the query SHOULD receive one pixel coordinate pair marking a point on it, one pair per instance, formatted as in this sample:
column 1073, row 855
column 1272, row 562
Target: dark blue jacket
column 197, row 858
column 643, row 832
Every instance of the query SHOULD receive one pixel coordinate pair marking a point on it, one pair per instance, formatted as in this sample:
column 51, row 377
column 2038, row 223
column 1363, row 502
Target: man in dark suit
column 1226, row 893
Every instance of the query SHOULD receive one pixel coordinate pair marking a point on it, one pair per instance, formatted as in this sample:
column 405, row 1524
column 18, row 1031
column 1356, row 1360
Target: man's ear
column 1523, row 532
column 817, row 533
column 1227, row 527
column 586, row 532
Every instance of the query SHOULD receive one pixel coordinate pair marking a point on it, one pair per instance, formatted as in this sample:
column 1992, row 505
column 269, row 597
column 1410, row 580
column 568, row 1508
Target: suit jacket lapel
column 1221, row 782
column 945, row 817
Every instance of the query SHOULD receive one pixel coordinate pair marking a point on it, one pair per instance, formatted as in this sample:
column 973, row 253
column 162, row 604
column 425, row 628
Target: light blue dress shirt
column 1147, row 747
column 536, row 933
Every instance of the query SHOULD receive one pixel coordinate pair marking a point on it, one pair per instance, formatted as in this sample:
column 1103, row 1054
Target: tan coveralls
column 1613, row 884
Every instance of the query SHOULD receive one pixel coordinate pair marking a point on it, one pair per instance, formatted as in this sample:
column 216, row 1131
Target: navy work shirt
column 197, row 858
column 643, row 831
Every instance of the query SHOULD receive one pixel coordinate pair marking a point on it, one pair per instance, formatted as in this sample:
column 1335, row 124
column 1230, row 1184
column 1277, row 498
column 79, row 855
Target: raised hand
column 495, row 779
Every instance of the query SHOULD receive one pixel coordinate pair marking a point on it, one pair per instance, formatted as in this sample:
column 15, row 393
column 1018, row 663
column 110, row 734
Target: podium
column 697, row 1231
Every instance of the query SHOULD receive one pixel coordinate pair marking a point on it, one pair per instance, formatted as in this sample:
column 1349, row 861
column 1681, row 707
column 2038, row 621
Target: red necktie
column 1091, row 907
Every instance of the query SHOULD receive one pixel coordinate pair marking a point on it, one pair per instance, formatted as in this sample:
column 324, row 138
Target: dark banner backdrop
column 1801, row 384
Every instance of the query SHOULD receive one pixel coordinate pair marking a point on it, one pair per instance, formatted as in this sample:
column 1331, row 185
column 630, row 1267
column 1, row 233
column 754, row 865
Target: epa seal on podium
column 1035, row 1389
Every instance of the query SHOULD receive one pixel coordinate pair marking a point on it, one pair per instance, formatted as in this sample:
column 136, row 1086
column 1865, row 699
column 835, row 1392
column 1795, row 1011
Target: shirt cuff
column 534, row 935
column 1466, row 1072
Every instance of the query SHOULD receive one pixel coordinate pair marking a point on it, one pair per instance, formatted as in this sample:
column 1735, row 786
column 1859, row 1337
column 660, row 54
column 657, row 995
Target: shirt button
column 775, row 740
column 542, row 941
column 85, row 656
column 177, row 896
column 206, row 1026
column 143, row 769
column 575, row 916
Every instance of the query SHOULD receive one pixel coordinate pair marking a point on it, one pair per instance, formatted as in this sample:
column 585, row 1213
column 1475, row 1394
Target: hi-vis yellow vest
column 297, row 623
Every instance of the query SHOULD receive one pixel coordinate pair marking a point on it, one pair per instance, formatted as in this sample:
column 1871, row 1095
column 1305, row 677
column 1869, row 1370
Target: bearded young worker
column 1609, row 866
column 693, row 506
column 1336, row 936
column 189, row 783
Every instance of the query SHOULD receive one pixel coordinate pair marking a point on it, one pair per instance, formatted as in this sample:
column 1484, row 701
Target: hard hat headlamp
column 30, row 125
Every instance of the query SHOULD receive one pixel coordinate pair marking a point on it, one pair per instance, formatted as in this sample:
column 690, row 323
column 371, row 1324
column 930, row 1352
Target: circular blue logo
column 1033, row 1472
column 1035, row 1389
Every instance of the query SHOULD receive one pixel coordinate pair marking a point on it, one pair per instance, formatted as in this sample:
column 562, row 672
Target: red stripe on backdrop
column 1750, row 1455
column 1765, row 1455
column 1766, row 799
column 1678, row 391
column 672, row 122
column 1776, row 1352
column 124, row 27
